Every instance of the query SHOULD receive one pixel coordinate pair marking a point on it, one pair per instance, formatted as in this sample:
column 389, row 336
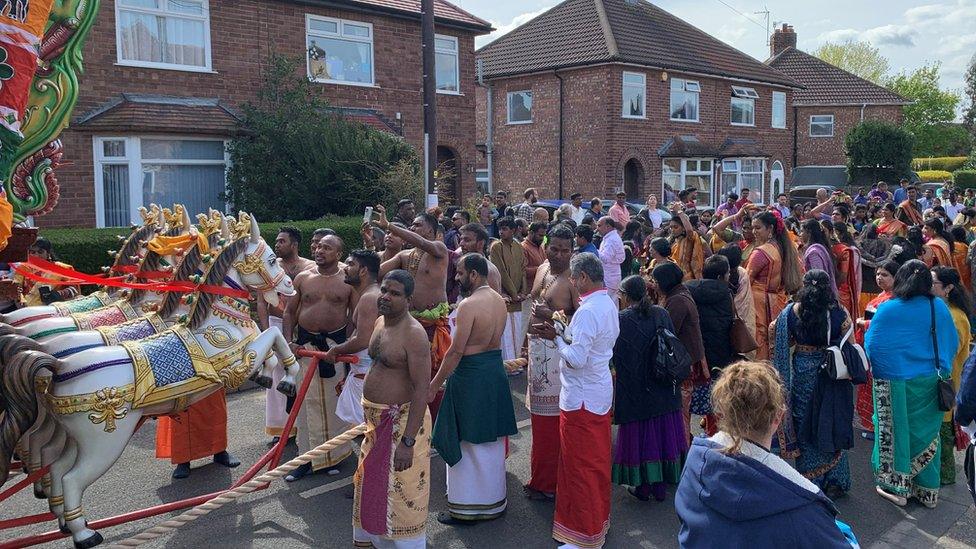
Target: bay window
column 134, row 171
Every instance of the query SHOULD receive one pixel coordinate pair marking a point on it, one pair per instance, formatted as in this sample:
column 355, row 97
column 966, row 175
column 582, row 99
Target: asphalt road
column 317, row 511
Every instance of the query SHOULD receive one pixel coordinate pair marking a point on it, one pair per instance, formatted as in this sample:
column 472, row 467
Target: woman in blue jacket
column 735, row 493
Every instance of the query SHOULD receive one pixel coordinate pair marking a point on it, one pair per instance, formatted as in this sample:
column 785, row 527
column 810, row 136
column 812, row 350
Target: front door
column 777, row 179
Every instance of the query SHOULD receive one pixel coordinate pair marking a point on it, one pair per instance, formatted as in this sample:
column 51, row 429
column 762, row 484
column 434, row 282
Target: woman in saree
column 906, row 365
column 947, row 284
column 774, row 272
column 745, row 305
column 802, row 330
column 816, row 250
column 888, row 226
column 960, row 256
column 937, row 249
column 847, row 258
column 687, row 246
column 884, row 276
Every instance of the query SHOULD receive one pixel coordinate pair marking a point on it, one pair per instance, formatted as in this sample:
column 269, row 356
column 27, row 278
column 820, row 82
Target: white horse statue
column 98, row 396
column 128, row 255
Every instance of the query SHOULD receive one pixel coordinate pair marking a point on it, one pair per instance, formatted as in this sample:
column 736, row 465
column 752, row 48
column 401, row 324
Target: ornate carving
column 241, row 227
column 236, row 373
column 209, row 225
column 219, row 337
column 106, row 405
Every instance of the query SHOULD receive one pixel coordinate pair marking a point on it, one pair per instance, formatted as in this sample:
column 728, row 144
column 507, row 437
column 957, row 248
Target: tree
column 859, row 58
column 932, row 110
column 296, row 158
column 969, row 117
column 878, row 151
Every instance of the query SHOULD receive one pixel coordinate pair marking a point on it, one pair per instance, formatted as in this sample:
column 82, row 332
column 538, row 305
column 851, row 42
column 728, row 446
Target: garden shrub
column 928, row 176
column 945, row 163
column 965, row 178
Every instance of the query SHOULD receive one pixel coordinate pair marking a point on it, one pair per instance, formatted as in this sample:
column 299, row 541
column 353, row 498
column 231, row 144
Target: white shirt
column 784, row 211
column 612, row 254
column 655, row 217
column 584, row 370
column 578, row 214
column 952, row 211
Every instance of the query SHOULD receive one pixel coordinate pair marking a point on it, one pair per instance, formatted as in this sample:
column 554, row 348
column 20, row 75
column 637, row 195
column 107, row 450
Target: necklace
column 338, row 271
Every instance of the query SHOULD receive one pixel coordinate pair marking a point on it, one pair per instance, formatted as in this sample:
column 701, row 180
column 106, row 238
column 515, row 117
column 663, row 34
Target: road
column 317, row 511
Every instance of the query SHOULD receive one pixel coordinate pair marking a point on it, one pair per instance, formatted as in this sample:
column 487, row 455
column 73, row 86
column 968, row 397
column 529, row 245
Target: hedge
column 928, row 176
column 965, row 178
column 86, row 249
column 944, row 163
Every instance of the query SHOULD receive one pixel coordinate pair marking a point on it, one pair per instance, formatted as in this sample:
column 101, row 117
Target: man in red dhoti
column 196, row 433
column 585, row 346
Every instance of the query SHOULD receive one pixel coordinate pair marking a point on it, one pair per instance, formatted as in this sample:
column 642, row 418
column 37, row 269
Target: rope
column 246, row 488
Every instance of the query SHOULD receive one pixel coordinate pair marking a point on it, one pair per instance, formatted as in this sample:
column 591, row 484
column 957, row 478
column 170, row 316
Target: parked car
column 801, row 194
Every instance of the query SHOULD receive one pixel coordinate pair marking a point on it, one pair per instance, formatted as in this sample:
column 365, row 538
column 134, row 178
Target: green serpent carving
column 32, row 187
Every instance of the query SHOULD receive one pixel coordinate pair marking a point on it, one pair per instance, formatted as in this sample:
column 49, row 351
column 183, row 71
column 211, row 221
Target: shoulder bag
column 846, row 360
column 947, row 395
column 742, row 340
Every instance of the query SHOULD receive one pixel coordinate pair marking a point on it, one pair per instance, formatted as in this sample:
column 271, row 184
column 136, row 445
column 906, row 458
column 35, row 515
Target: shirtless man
column 471, row 438
column 552, row 291
column 427, row 263
column 277, row 405
column 394, row 401
column 362, row 268
column 316, row 318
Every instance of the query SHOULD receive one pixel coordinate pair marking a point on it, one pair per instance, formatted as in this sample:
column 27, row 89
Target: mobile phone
column 368, row 214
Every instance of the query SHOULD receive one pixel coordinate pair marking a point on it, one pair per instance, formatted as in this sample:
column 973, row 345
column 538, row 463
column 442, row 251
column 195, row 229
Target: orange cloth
column 892, row 228
column 199, row 432
column 6, row 220
column 959, row 251
column 688, row 252
column 766, row 276
column 439, row 335
column 908, row 214
column 940, row 253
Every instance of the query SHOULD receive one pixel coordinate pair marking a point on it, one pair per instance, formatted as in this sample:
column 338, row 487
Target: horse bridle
column 253, row 263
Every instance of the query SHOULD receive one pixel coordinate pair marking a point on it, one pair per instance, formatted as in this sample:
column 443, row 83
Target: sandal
column 900, row 501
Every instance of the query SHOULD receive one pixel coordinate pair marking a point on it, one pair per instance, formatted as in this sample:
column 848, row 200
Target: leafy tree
column 860, row 58
column 969, row 117
column 878, row 150
column 932, row 110
column 297, row 159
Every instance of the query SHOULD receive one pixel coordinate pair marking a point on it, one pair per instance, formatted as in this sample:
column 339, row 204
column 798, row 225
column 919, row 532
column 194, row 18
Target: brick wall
column 598, row 141
column 829, row 151
column 243, row 33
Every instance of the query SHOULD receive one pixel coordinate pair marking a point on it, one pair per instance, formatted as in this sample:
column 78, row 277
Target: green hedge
column 86, row 249
column 934, row 175
column 965, row 178
column 944, row 163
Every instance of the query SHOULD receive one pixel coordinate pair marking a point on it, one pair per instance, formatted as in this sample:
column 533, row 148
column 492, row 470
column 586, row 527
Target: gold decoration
column 146, row 391
column 42, row 384
column 209, row 225
column 228, row 358
column 288, row 361
column 149, row 217
column 241, row 227
column 234, row 375
column 54, row 501
column 219, row 337
column 238, row 313
column 73, row 514
column 106, row 405
column 175, row 218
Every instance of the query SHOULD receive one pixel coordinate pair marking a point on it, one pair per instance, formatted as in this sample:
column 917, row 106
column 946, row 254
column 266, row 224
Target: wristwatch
column 408, row 442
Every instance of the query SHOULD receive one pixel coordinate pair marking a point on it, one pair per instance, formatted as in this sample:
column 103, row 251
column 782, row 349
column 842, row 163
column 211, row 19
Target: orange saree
column 940, row 253
column 689, row 253
column 892, row 228
column 765, row 273
column 959, row 252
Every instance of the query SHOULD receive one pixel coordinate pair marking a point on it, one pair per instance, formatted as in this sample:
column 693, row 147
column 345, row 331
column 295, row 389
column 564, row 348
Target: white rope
column 246, row 488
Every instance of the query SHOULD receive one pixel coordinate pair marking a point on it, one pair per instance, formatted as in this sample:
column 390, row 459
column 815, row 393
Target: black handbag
column 846, row 360
column 947, row 395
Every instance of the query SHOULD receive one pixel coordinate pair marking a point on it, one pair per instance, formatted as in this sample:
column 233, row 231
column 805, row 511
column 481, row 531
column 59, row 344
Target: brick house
column 600, row 95
column 162, row 87
column 831, row 102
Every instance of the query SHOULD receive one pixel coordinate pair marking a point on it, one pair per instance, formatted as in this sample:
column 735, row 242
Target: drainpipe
column 796, row 118
column 560, row 78
column 489, row 126
column 864, row 106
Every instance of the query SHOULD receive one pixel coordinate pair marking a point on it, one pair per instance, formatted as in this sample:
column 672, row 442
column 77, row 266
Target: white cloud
column 838, row 35
column 922, row 14
column 892, row 35
column 732, row 34
column 502, row 29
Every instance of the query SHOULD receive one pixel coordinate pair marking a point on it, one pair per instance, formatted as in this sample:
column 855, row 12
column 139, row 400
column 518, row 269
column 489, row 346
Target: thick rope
column 246, row 488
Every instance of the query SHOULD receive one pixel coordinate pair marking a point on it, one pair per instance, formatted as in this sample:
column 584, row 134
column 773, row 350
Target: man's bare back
column 482, row 316
column 388, row 380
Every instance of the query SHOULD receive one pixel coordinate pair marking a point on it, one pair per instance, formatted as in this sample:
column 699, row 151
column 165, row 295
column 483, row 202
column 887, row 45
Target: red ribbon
column 75, row 277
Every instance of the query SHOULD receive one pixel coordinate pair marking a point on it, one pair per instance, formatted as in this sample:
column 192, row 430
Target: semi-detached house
column 164, row 80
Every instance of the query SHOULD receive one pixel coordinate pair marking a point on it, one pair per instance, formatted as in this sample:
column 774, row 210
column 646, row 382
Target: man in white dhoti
column 277, row 405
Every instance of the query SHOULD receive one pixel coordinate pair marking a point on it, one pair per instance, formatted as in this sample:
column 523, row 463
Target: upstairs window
column 165, row 34
column 634, row 95
column 446, row 64
column 684, row 99
column 822, row 125
column 743, row 106
column 520, row 107
column 779, row 110
column 339, row 51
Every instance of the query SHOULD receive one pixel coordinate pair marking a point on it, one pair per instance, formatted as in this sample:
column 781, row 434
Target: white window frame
column 623, row 95
column 684, row 173
column 753, row 192
column 457, row 62
column 821, row 123
column 133, row 159
column 687, row 86
column 340, row 35
column 508, row 108
column 743, row 101
column 208, row 46
column 778, row 101
column 744, row 92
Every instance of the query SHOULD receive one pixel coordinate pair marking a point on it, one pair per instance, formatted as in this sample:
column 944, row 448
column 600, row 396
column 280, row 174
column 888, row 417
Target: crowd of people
column 439, row 306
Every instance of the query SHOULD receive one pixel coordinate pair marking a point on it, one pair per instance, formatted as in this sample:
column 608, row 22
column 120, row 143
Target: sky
column 909, row 34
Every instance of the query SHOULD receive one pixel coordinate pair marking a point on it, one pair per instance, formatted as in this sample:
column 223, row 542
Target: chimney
column 782, row 38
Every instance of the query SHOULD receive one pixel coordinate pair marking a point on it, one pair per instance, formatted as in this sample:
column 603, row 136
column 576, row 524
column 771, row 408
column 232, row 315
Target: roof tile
column 825, row 84
column 156, row 113
column 443, row 10
column 585, row 32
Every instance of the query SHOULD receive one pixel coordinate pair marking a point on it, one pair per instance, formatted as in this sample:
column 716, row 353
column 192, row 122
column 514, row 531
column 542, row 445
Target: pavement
column 317, row 510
